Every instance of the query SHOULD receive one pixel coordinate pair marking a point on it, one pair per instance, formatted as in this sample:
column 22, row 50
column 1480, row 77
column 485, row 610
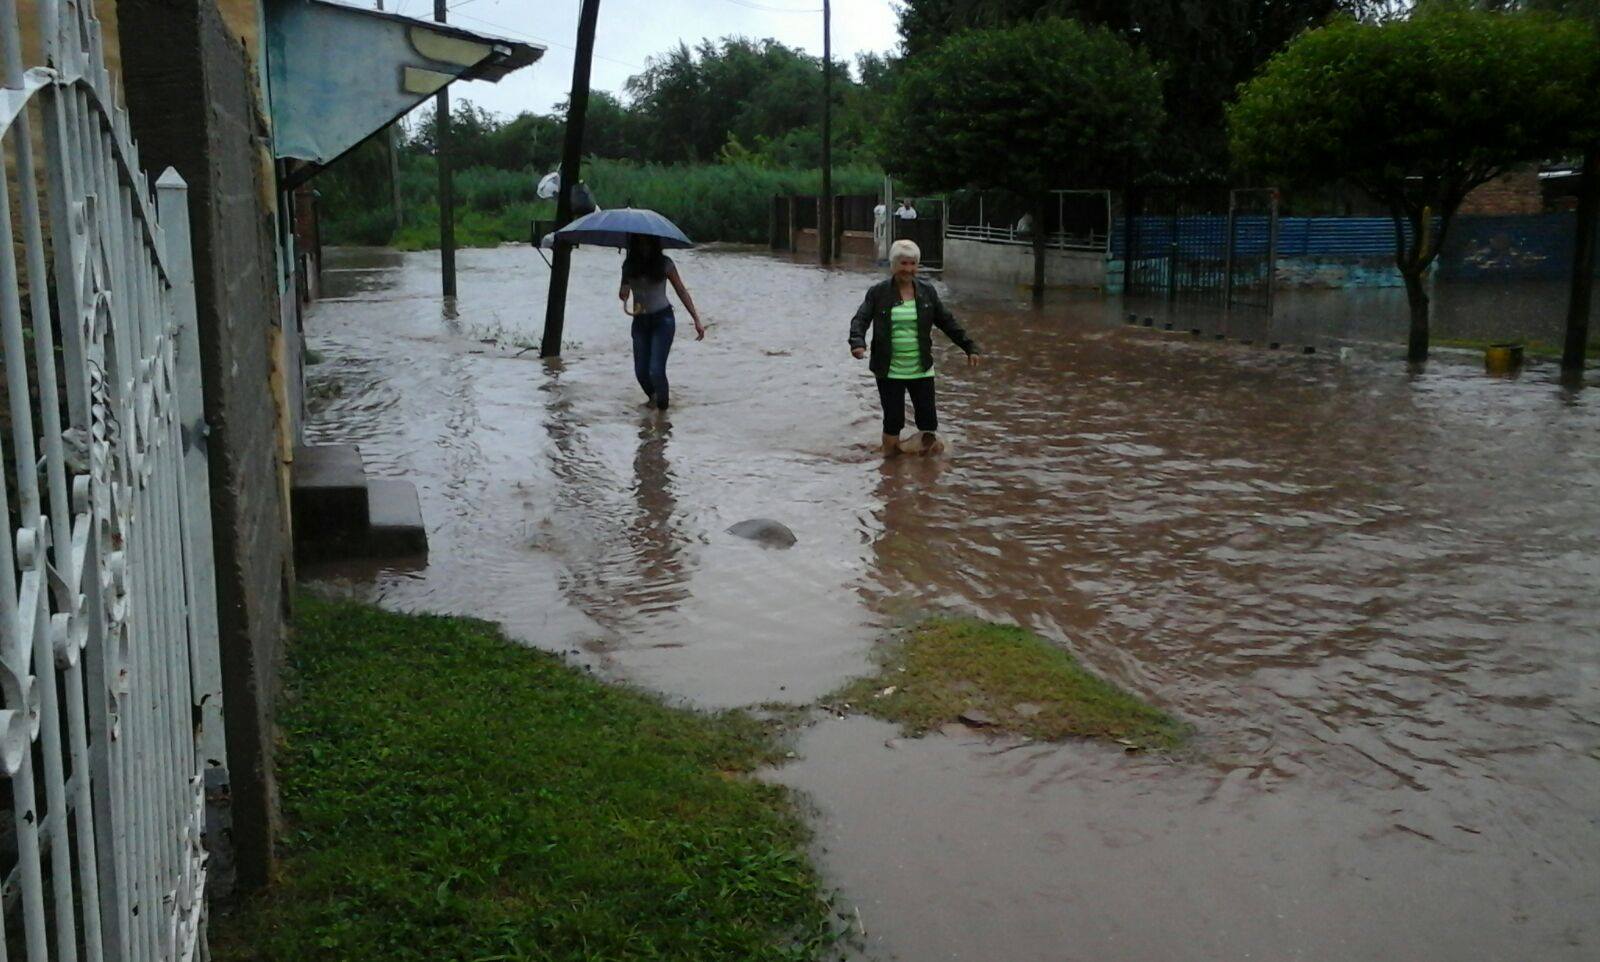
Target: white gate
column 108, row 640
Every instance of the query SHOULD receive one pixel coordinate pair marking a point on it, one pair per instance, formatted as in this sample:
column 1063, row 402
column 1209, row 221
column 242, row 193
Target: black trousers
column 892, row 394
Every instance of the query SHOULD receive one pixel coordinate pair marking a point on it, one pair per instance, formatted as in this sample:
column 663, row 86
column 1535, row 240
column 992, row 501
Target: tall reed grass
column 711, row 202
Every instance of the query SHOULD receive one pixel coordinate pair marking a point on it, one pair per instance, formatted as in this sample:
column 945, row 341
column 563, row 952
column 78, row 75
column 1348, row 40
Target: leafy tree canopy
column 1207, row 46
column 688, row 104
column 1419, row 111
column 1027, row 108
column 759, row 101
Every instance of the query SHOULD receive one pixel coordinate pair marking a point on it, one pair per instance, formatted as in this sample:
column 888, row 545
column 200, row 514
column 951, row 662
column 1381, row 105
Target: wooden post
column 836, row 237
column 555, row 311
column 447, row 200
column 825, row 202
column 1583, row 263
column 395, row 135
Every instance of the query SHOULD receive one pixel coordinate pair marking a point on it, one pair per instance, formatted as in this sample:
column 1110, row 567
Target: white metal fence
column 1083, row 219
column 1009, row 234
column 108, row 640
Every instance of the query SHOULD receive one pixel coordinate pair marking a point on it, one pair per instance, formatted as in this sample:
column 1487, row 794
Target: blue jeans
column 652, row 342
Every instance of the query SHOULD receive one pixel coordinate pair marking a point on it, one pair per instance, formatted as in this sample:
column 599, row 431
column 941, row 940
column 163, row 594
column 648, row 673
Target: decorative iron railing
column 109, row 676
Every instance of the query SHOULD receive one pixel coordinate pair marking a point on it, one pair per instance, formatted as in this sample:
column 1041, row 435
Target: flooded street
column 1373, row 594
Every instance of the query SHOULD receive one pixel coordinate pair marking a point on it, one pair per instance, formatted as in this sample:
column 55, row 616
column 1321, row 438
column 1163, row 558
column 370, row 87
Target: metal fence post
column 1172, row 264
column 1272, row 253
column 1228, row 252
column 200, row 566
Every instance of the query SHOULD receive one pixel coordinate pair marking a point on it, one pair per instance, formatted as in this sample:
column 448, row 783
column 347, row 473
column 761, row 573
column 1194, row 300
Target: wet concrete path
column 1373, row 593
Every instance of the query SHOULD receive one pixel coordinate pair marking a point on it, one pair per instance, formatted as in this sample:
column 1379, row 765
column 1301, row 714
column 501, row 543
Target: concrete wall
column 1338, row 271
column 1013, row 264
column 194, row 105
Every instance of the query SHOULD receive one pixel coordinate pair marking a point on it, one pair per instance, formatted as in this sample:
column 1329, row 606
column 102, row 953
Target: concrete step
column 328, row 490
column 396, row 529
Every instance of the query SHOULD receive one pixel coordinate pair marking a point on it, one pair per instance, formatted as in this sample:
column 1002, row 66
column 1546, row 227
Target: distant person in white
column 880, row 225
column 906, row 211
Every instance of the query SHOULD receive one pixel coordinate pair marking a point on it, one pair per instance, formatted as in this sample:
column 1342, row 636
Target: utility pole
column 1583, row 264
column 394, row 160
column 555, row 311
column 447, row 200
column 396, row 135
column 825, row 202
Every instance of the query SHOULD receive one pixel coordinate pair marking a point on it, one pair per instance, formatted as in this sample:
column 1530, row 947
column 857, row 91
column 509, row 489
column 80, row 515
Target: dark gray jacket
column 874, row 313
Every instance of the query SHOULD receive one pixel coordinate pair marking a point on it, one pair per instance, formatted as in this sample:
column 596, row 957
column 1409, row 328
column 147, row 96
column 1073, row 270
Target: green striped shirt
column 906, row 362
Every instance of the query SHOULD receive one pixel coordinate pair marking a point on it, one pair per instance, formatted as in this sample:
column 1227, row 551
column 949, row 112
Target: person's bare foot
column 891, row 445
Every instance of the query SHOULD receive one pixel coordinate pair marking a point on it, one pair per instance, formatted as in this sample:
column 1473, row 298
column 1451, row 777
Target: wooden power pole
column 1583, row 264
column 825, row 202
column 447, row 200
column 394, row 144
column 555, row 311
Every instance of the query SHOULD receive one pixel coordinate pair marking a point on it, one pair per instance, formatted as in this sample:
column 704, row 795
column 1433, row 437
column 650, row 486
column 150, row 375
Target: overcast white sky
column 631, row 30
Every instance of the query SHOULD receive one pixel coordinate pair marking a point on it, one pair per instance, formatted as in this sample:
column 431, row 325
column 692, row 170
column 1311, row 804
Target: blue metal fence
column 1297, row 236
column 1477, row 247
column 1530, row 246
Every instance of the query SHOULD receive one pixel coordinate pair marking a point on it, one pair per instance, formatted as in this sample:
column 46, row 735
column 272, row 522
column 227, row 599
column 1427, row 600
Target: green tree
column 610, row 128
column 1586, row 140
column 1207, row 48
column 1024, row 108
column 1416, row 112
column 691, row 103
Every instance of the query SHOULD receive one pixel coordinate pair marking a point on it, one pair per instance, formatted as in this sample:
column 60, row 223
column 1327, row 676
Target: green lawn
column 944, row 668
column 451, row 796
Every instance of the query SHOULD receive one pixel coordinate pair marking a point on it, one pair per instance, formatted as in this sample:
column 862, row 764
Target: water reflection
column 626, row 563
column 655, row 540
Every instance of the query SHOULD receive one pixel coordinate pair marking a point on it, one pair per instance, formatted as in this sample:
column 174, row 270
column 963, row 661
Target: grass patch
column 1543, row 349
column 451, row 796
column 946, row 667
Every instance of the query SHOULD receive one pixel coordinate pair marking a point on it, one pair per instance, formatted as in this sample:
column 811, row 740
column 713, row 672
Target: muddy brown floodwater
column 1374, row 595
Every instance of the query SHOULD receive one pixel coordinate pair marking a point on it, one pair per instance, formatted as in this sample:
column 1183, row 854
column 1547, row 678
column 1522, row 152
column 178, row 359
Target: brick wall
column 1515, row 193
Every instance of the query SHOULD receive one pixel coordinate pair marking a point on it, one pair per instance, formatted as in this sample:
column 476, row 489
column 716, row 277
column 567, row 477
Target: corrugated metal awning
column 338, row 74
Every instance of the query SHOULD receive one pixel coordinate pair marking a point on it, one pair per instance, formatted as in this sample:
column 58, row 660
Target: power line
column 749, row 5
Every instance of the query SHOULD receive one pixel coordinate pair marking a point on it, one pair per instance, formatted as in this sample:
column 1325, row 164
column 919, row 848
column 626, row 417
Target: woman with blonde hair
column 901, row 313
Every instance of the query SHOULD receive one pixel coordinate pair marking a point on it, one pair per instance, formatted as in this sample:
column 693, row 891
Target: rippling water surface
column 1376, row 595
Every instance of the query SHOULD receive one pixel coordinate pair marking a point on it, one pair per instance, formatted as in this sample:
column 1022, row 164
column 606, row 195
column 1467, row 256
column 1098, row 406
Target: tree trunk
column 1413, row 262
column 1583, row 263
column 1417, row 299
column 1039, row 238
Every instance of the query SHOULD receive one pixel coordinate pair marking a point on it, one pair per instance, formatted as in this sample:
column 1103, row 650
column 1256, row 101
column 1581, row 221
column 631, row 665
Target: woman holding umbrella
column 645, row 273
column 645, row 234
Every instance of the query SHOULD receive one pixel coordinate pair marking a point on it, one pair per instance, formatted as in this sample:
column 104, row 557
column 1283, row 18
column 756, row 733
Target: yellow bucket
column 1502, row 358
